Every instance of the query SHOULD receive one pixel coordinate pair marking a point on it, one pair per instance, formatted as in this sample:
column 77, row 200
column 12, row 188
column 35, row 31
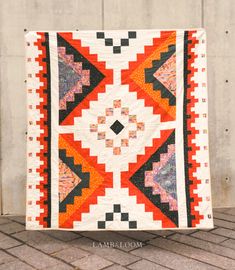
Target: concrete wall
column 217, row 16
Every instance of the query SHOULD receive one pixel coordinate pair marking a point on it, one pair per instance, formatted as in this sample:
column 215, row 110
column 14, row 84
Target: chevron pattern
column 158, row 85
column 138, row 179
column 75, row 70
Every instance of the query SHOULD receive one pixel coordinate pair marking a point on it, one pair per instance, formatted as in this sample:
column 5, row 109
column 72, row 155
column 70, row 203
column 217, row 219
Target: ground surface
column 181, row 250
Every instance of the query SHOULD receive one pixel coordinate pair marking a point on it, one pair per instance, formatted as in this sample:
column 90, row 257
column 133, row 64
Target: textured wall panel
column 219, row 22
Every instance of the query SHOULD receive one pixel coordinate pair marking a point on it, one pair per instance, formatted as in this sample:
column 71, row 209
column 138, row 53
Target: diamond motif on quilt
column 117, row 127
column 131, row 131
column 139, row 122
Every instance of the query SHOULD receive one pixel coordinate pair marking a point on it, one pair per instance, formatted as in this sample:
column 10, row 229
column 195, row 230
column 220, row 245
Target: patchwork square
column 117, row 130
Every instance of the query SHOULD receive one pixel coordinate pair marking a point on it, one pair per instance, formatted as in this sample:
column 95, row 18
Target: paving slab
column 71, row 254
column 41, row 241
column 4, row 220
column 16, row 265
column 224, row 224
column 224, row 216
column 202, row 244
column 229, row 243
column 8, row 242
column 170, row 259
column 143, row 264
column 33, row 257
column 63, row 235
column 194, row 253
column 19, row 219
column 225, row 232
column 12, row 227
column 207, row 236
column 5, row 257
column 92, row 262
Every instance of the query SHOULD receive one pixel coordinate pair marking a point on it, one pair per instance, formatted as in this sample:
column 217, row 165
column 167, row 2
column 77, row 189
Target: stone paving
column 133, row 250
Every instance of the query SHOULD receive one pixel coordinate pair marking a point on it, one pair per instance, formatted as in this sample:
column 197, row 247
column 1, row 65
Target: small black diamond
column 117, row 127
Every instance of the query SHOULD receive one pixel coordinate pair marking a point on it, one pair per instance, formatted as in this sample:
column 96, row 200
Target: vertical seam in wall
column 202, row 13
column 1, row 191
column 1, row 185
column 102, row 14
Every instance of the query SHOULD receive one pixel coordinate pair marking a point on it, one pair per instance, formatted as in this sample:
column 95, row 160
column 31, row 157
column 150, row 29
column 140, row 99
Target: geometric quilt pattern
column 117, row 130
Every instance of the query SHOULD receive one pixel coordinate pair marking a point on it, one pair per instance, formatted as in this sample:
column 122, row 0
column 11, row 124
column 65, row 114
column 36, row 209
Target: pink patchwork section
column 166, row 74
column 157, row 188
column 157, row 166
column 77, row 67
column 67, row 180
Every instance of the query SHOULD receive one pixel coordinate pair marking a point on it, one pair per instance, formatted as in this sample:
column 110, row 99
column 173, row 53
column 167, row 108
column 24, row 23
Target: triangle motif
column 166, row 74
column 68, row 180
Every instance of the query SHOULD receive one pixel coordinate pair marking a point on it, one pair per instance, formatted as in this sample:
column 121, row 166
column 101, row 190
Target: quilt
column 117, row 130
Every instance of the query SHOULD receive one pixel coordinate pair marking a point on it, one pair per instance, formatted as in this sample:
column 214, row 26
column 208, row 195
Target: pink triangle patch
column 68, row 180
column 166, row 74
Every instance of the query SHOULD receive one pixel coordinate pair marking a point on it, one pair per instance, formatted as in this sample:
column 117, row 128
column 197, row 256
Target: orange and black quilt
column 117, row 130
